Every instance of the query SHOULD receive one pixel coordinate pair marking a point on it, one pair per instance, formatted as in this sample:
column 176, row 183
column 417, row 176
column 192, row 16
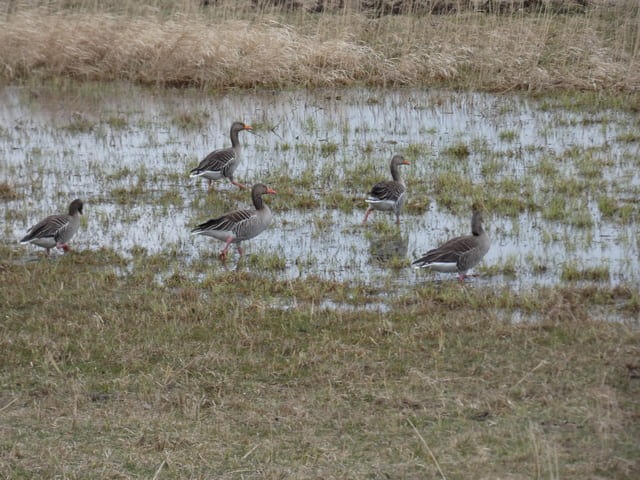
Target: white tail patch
column 446, row 267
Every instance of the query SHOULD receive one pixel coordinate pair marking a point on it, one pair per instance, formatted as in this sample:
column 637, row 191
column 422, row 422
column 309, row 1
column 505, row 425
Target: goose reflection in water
column 387, row 247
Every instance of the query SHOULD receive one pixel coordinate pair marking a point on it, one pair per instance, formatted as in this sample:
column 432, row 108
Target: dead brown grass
column 533, row 51
column 105, row 376
column 231, row 54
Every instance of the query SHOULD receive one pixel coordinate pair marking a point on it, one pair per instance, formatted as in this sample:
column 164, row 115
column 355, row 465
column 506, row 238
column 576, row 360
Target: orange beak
column 247, row 127
column 271, row 191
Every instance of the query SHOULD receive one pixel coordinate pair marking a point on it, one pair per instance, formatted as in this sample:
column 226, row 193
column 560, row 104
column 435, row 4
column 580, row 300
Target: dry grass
column 105, row 376
column 222, row 47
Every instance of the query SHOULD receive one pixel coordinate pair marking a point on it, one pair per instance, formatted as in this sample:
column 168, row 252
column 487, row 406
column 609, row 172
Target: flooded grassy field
column 558, row 182
column 320, row 353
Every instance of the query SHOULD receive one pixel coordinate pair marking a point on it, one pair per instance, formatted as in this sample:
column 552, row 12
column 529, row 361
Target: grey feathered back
column 465, row 252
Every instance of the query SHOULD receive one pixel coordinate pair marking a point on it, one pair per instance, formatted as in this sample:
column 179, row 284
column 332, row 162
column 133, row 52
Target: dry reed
column 272, row 48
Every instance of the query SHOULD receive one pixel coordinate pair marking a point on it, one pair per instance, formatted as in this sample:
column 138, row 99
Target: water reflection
column 388, row 247
column 129, row 156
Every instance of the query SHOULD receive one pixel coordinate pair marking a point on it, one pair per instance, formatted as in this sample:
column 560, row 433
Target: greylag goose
column 389, row 195
column 458, row 254
column 223, row 162
column 239, row 225
column 56, row 230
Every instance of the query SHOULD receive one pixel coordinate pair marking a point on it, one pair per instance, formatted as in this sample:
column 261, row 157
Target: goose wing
column 450, row 251
column 387, row 190
column 52, row 226
column 216, row 161
column 229, row 222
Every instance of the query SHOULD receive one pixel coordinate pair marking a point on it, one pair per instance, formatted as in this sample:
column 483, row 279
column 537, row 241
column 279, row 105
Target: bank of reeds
column 248, row 45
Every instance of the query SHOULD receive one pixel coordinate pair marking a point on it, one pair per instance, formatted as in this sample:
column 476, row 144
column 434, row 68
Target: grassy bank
column 111, row 376
column 242, row 45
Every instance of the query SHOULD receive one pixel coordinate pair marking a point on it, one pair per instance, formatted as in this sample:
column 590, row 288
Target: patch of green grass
column 398, row 263
column 7, row 192
column 188, row 120
column 509, row 197
column 117, row 122
column 507, row 266
column 567, row 186
column 580, row 217
column 628, row 137
column 121, row 173
column 361, row 176
column 458, row 150
column 546, row 167
column 417, row 204
column 608, row 206
column 383, row 224
column 571, row 213
column 538, row 265
column 612, row 208
column 267, row 260
column 328, row 149
column 507, row 135
column 628, row 213
column 589, row 101
column 448, row 186
column 592, row 167
column 367, row 149
column 80, row 124
column 171, row 198
column 555, row 210
column 506, row 206
column 341, row 201
column 572, row 272
column 127, row 194
column 491, row 167
column 414, row 151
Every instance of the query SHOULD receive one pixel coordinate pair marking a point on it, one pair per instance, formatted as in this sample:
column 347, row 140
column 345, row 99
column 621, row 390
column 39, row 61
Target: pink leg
column 65, row 248
column 398, row 219
column 240, row 250
column 238, row 184
column 366, row 215
column 223, row 253
column 210, row 183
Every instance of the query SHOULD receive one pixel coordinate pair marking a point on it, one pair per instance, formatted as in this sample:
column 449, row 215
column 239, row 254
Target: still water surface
column 142, row 142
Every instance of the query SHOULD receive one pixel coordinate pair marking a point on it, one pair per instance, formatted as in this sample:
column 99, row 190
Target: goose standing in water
column 389, row 195
column 223, row 162
column 239, row 225
column 458, row 254
column 56, row 230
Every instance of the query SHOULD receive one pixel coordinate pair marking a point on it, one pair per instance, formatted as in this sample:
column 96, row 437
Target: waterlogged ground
column 559, row 182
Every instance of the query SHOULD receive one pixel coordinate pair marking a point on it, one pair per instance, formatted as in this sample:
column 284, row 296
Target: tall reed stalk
column 260, row 44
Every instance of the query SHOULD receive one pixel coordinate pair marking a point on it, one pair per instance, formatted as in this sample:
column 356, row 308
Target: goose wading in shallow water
column 239, row 225
column 458, row 254
column 389, row 195
column 56, row 230
column 223, row 162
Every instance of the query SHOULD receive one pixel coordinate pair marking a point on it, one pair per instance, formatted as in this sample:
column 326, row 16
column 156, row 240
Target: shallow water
column 128, row 143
